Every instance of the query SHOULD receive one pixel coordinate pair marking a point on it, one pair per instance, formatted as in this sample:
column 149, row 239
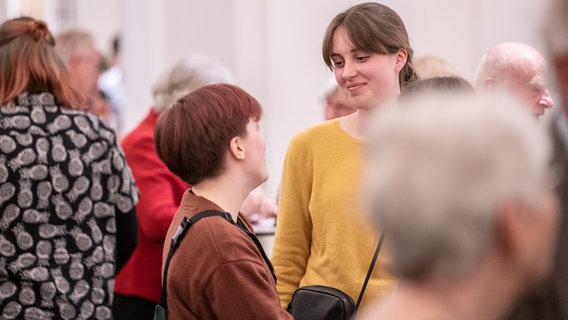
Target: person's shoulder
column 56, row 119
column 222, row 229
column 91, row 125
column 143, row 134
column 228, row 241
column 322, row 130
column 324, row 127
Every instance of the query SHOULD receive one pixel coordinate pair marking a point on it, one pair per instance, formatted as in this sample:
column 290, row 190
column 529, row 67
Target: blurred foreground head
column 458, row 182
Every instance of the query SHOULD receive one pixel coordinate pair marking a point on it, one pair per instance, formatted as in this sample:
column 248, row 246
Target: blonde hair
column 429, row 66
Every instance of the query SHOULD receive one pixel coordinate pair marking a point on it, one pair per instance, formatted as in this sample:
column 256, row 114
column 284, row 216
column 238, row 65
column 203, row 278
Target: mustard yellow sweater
column 322, row 235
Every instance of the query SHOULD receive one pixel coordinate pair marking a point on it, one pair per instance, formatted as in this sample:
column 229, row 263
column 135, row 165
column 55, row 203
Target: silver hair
column 186, row 76
column 557, row 26
column 438, row 166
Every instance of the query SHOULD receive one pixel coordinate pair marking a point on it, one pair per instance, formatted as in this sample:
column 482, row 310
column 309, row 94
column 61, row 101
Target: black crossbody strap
column 375, row 256
column 186, row 223
column 254, row 238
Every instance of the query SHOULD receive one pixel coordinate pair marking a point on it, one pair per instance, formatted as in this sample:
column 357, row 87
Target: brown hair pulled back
column 29, row 63
column 375, row 28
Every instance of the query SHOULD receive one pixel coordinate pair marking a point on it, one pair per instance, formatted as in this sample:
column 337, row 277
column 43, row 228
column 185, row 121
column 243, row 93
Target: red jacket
column 160, row 195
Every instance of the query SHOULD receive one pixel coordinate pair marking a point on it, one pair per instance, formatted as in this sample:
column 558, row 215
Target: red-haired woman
column 67, row 197
column 210, row 138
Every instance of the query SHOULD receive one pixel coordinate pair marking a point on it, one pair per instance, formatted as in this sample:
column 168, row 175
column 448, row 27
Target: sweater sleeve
column 247, row 292
column 293, row 236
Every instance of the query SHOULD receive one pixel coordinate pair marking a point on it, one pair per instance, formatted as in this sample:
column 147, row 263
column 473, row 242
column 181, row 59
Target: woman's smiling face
column 368, row 79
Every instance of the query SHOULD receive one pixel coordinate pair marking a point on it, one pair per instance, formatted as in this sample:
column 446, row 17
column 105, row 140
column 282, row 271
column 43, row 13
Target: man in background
column 78, row 52
column 335, row 102
column 518, row 69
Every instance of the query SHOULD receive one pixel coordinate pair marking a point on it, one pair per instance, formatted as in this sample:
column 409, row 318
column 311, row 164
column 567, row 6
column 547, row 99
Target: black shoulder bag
column 161, row 311
column 327, row 303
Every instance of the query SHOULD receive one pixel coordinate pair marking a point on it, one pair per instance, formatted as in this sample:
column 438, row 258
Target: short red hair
column 29, row 63
column 193, row 136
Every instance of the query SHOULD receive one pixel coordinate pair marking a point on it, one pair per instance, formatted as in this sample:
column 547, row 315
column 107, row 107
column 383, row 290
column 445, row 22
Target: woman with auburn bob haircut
column 322, row 237
column 210, row 138
column 138, row 286
column 68, row 216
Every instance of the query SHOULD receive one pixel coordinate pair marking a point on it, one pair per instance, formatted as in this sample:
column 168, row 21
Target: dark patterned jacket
column 64, row 188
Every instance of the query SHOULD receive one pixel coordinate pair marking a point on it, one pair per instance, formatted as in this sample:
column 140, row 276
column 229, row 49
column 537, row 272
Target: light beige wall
column 273, row 46
column 104, row 18
column 146, row 43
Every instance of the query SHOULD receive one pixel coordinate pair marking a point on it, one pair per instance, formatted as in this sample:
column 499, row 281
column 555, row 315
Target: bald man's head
column 518, row 69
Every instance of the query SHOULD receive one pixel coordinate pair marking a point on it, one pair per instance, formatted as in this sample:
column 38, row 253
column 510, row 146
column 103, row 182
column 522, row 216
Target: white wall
column 102, row 17
column 273, row 46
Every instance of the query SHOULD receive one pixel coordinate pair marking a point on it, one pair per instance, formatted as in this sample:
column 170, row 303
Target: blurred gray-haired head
column 185, row 76
column 437, row 168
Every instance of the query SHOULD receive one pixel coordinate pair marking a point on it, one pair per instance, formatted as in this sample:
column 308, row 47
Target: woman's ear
column 236, row 148
column 504, row 227
column 510, row 229
column 401, row 58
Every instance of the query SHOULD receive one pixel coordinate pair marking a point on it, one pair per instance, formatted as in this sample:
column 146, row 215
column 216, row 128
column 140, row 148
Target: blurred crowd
column 462, row 180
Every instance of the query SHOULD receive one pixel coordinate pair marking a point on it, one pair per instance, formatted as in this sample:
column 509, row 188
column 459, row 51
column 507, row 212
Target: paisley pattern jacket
column 63, row 178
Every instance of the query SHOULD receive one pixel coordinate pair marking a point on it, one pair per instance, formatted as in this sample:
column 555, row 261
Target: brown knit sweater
column 217, row 272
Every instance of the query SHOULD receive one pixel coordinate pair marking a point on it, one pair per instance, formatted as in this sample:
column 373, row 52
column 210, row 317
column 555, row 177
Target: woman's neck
column 355, row 124
column 225, row 194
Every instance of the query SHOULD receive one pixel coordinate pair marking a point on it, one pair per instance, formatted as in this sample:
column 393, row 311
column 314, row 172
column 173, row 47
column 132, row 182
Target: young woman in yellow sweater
column 322, row 237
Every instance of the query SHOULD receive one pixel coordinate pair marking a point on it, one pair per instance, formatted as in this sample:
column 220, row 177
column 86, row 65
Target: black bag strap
column 373, row 261
column 254, row 238
column 184, row 226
